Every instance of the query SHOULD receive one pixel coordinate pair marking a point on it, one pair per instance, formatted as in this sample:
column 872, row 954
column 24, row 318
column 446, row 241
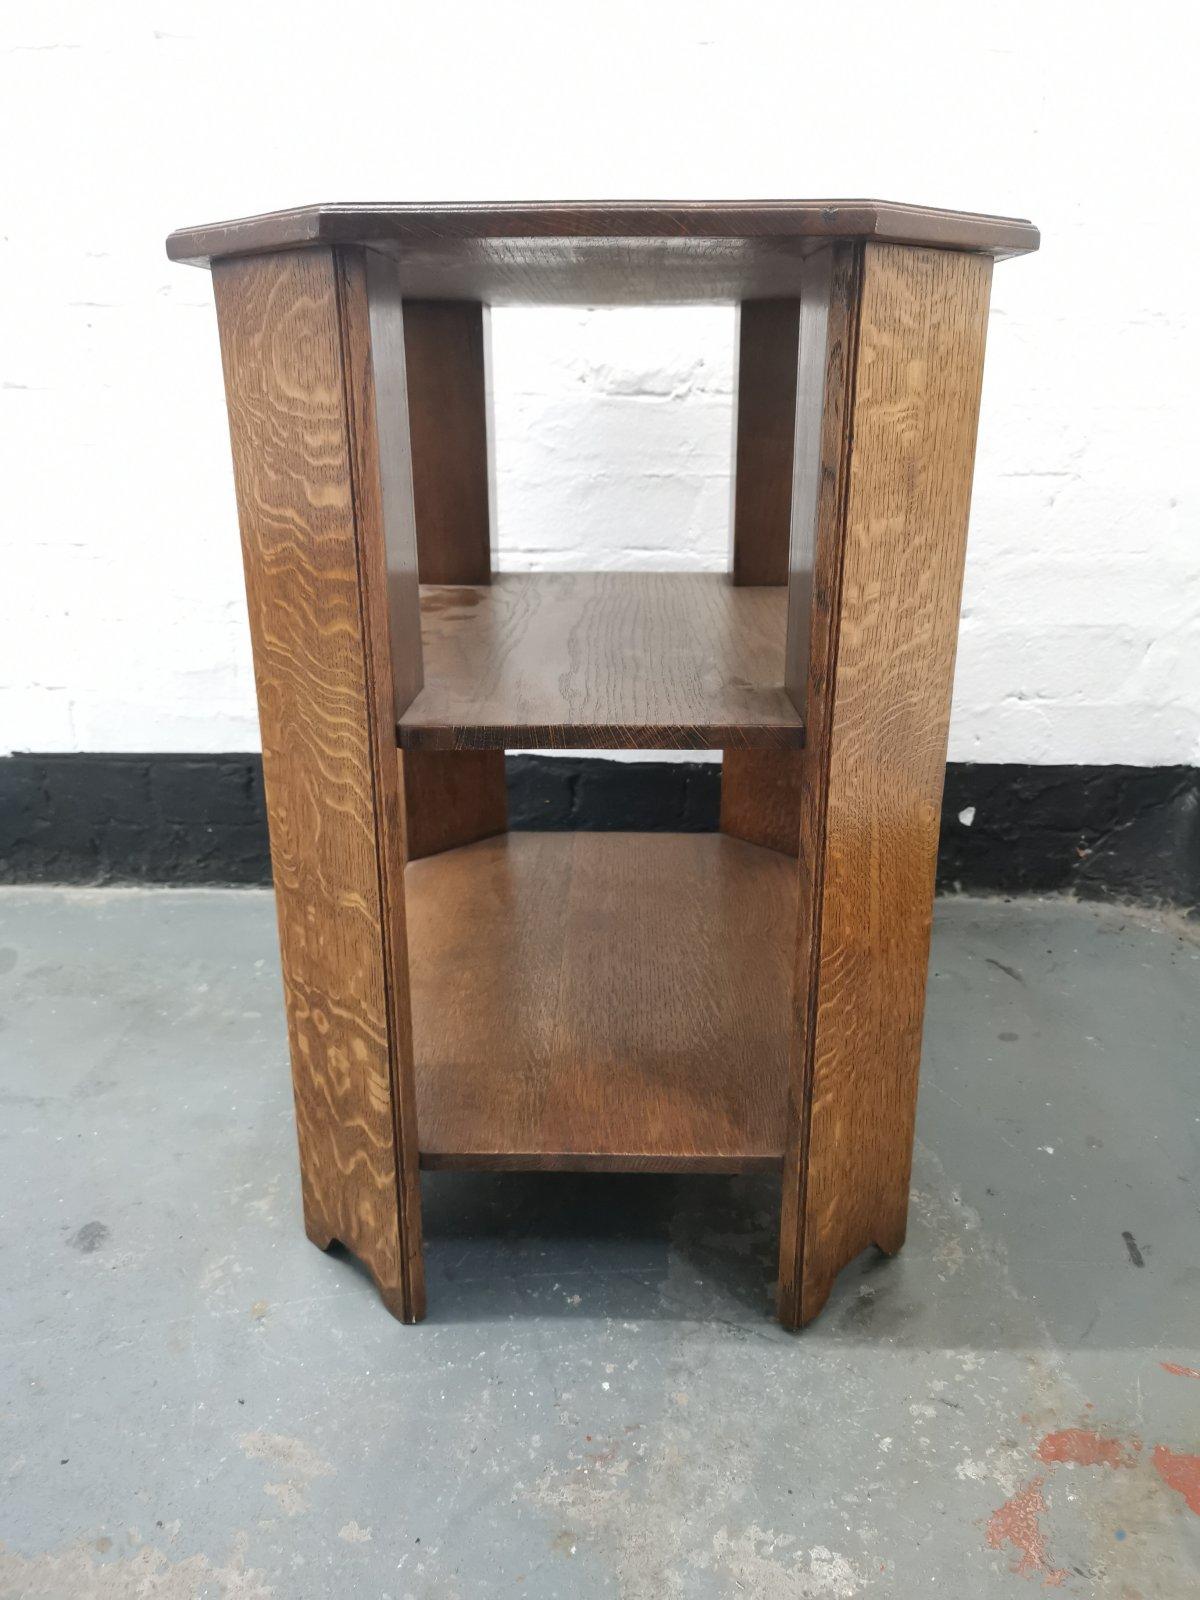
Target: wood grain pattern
column 617, row 1002
column 600, row 252
column 760, row 793
column 602, row 1001
column 452, row 797
column 764, row 434
column 603, row 660
column 824, row 392
column 825, row 374
column 372, row 330
column 319, row 513
column 760, row 797
column 446, row 343
column 890, row 386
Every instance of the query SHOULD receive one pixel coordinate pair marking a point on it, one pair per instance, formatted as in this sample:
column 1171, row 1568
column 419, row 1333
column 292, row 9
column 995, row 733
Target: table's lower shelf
column 602, row 1001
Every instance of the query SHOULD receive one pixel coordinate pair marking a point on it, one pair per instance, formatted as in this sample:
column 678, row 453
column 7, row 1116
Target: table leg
column 312, row 345
column 890, row 366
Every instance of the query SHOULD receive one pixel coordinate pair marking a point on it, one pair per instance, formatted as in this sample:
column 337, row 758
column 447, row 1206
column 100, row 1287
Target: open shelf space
column 602, row 1002
column 604, row 660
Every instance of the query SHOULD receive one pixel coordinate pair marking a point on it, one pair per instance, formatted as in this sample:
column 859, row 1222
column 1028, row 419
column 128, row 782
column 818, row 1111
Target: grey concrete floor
column 195, row 1402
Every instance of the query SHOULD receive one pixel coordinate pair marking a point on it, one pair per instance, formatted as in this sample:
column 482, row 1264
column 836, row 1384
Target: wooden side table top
column 611, row 252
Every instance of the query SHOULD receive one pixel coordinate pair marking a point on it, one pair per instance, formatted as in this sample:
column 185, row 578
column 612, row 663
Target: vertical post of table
column 760, row 799
column 451, row 797
column 312, row 344
column 890, row 368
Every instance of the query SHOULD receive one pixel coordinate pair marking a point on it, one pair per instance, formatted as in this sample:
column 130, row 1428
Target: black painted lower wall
column 1130, row 833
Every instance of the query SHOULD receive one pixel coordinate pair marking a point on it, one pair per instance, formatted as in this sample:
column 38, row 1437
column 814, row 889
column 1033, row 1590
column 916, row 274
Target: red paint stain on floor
column 1018, row 1522
column 1179, row 1472
column 1177, row 1371
column 1082, row 1448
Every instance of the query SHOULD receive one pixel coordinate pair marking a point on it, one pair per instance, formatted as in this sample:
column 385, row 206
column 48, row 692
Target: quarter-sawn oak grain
column 625, row 1002
column 896, row 342
column 372, row 329
column 306, row 420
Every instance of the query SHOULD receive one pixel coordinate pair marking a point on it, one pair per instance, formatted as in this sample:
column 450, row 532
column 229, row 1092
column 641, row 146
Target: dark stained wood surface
column 452, row 797
column 318, row 513
column 889, row 391
column 603, row 252
column 602, row 1001
column 603, row 660
column 828, row 351
column 764, row 434
column 372, row 333
column 760, row 790
column 760, row 797
column 446, row 346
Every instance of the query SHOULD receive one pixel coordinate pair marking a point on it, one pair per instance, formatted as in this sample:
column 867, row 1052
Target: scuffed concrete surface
column 195, row 1402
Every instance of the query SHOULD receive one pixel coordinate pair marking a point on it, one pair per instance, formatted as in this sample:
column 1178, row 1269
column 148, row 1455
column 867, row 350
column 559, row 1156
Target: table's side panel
column 760, row 797
column 373, row 351
column 828, row 319
column 891, row 382
column 324, row 503
column 448, row 353
column 764, row 438
column 452, row 798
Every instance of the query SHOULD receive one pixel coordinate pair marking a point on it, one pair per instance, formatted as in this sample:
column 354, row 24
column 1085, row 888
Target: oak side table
column 462, row 997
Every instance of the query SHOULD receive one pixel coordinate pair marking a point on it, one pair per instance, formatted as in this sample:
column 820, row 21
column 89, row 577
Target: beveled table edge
column 416, row 224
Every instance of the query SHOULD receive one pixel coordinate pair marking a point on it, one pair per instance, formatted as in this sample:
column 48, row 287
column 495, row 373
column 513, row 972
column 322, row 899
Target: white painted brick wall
column 121, row 613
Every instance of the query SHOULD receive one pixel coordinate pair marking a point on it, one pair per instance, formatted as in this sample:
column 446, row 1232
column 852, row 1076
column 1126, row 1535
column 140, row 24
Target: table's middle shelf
column 604, row 661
